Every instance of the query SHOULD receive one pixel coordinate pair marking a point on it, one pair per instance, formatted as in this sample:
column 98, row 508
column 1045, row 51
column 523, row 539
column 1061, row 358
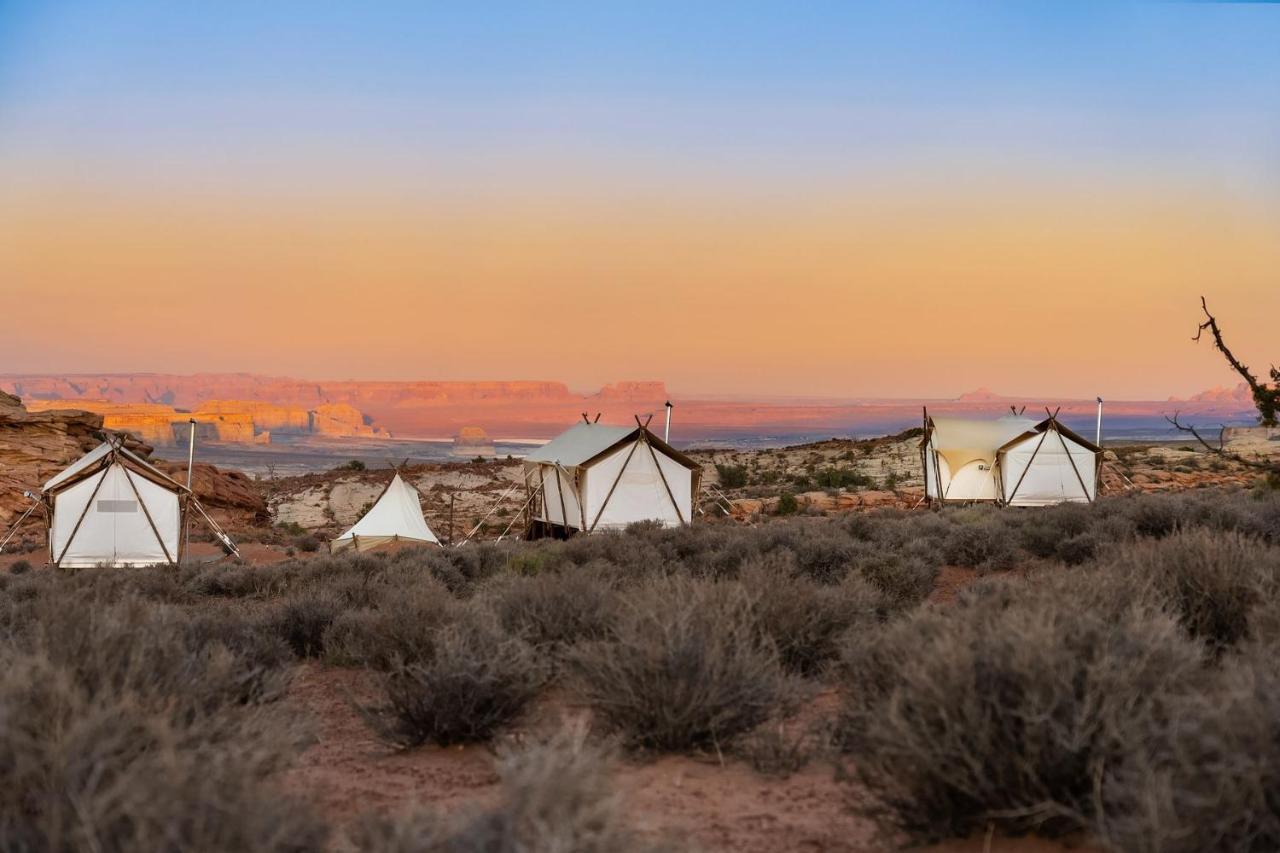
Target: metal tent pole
column 666, row 433
column 1098, row 435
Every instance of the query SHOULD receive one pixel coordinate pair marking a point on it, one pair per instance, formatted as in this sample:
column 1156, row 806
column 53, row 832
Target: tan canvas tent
column 602, row 477
column 959, row 456
column 112, row 507
column 1048, row 464
column 396, row 516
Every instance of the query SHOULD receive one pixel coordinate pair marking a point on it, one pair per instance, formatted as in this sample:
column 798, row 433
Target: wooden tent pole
column 72, row 538
column 665, row 484
column 564, row 513
column 616, row 480
column 1018, row 485
column 147, row 513
column 1063, row 441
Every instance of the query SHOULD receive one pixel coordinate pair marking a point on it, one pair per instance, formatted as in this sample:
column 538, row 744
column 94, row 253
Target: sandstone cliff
column 36, row 445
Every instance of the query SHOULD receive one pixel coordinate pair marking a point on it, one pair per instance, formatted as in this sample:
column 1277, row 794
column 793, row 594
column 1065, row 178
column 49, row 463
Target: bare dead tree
column 1266, row 398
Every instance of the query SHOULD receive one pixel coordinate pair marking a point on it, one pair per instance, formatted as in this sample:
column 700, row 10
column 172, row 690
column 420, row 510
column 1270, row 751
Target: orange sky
column 847, row 294
column 899, row 199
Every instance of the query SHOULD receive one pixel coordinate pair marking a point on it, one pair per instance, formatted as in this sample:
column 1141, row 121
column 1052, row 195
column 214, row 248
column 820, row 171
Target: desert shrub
column 19, row 567
column 781, row 748
column 1158, row 515
column 301, row 621
column 1207, row 779
column 1004, row 708
column 107, row 773
column 308, row 543
column 732, row 476
column 476, row 679
column 1212, row 581
column 805, row 620
column 554, row 611
column 402, row 629
column 984, row 545
column 238, row 581
column 787, row 504
column 685, row 668
column 555, row 796
column 1077, row 549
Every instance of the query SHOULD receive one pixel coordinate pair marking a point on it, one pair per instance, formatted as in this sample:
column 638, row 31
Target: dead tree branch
column 1220, row 449
column 1266, row 399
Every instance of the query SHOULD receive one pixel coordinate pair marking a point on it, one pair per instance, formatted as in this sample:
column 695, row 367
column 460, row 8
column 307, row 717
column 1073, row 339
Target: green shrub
column 732, row 476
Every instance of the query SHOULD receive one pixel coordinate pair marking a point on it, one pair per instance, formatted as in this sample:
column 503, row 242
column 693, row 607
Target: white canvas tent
column 601, row 477
column 1048, row 464
column 112, row 507
column 395, row 517
column 959, row 456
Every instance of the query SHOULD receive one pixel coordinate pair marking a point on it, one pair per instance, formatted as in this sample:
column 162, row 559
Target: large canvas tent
column 601, row 477
column 959, row 456
column 1048, row 464
column 112, row 507
column 396, row 516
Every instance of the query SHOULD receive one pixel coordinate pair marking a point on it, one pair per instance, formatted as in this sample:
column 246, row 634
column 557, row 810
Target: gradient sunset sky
column 911, row 199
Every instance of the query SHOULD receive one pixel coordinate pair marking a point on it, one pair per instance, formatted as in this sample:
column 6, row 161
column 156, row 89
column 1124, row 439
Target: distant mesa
column 981, row 395
column 641, row 391
column 229, row 421
column 471, row 442
column 1238, row 394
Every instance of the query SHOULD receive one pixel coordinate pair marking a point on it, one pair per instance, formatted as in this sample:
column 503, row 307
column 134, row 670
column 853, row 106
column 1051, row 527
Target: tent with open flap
column 959, row 456
column 396, row 516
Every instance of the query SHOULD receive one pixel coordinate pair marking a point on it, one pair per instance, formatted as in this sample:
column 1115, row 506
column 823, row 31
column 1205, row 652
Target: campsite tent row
column 1014, row 461
column 113, row 507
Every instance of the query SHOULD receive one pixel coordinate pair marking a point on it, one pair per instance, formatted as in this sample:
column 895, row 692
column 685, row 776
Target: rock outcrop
column 36, row 445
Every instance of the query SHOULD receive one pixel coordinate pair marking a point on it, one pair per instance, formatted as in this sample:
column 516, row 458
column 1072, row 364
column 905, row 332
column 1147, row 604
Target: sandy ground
column 692, row 800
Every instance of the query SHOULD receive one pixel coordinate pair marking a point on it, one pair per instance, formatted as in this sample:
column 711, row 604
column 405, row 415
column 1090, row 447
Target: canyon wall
column 36, row 444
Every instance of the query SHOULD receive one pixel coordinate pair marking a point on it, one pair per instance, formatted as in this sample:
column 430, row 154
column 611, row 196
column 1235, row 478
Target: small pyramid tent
column 1048, row 464
column 601, row 477
column 959, row 456
column 395, row 517
column 112, row 507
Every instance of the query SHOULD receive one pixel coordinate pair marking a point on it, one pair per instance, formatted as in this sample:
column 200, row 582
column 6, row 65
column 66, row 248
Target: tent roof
column 963, row 433
column 582, row 443
column 397, row 513
column 98, row 455
column 1066, row 432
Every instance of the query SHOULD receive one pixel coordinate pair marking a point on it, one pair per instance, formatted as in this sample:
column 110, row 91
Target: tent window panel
column 117, row 506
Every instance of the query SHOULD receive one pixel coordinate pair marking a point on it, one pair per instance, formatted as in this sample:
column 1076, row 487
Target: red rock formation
column 36, row 445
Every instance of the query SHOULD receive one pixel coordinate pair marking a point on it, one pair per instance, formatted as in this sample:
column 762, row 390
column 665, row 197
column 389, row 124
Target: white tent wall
column 640, row 494
column 95, row 524
column 556, row 483
column 1051, row 477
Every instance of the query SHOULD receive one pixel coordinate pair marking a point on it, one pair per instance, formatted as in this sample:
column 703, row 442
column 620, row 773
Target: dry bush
column 986, row 545
column 1211, row 581
column 1005, row 708
column 555, row 796
column 1209, row 779
column 400, row 630
column 129, row 725
column 302, row 620
column 475, row 679
column 554, row 611
column 685, row 668
column 781, row 747
column 805, row 620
